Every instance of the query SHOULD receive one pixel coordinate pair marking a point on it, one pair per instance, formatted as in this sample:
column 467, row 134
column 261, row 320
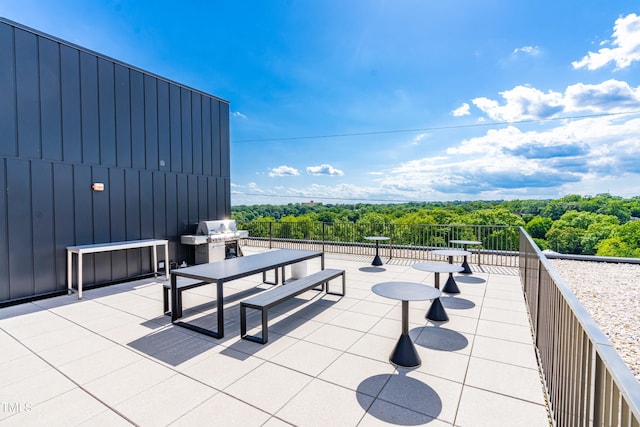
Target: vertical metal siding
column 107, row 107
column 150, row 123
column 164, row 131
column 43, row 241
column 196, row 132
column 70, row 97
column 9, row 145
column 206, row 136
column 4, row 240
column 64, row 217
column 20, row 234
column 118, row 220
column 132, row 219
column 50, row 105
column 27, row 86
column 83, row 215
column 175, row 130
column 89, row 109
column 123, row 117
column 187, row 140
column 216, row 142
column 138, row 151
column 69, row 118
column 225, row 168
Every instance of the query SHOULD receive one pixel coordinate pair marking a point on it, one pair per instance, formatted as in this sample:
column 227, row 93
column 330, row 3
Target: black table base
column 465, row 265
column 376, row 260
column 437, row 312
column 405, row 354
column 451, row 287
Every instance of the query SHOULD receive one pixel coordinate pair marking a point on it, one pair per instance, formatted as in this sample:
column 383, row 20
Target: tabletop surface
column 466, row 242
column 376, row 238
column 229, row 269
column 438, row 267
column 405, row 291
column 450, row 252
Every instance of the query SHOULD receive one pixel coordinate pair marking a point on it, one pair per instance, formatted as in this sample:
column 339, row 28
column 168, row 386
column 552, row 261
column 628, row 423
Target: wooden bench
column 274, row 296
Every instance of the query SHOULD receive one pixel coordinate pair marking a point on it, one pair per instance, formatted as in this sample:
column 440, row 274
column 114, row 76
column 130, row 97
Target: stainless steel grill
column 215, row 240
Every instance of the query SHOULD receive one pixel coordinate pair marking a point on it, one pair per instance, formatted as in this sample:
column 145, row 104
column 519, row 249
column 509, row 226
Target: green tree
column 538, row 227
column 566, row 240
column 614, row 247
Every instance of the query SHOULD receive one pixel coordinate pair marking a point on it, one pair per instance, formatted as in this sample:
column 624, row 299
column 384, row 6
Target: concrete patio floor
column 114, row 359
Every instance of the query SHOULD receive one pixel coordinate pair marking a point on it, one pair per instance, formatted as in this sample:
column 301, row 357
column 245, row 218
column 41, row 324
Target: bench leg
column 264, row 337
column 243, row 321
column 165, row 301
column 344, row 287
column 179, row 303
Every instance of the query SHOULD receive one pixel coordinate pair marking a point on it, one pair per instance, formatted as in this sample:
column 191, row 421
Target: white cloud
column 521, row 103
column 625, row 46
column 283, row 171
column 462, row 110
column 528, row 103
column 324, row 169
column 238, row 114
column 418, row 138
column 529, row 50
column 611, row 96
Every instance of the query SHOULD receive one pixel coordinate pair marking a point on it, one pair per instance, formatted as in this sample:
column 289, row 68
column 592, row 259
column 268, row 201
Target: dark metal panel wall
column 4, row 240
column 43, row 242
column 196, row 132
column 9, row 146
column 70, row 101
column 150, row 135
column 123, row 117
column 164, row 132
column 118, row 224
column 89, row 109
column 175, row 131
column 83, row 215
column 132, row 219
column 206, row 136
column 185, row 121
column 101, row 227
column 20, row 234
column 64, row 218
column 146, row 214
column 69, row 118
column 50, row 106
column 225, row 161
column 27, row 86
column 216, row 142
column 107, row 105
column 138, row 152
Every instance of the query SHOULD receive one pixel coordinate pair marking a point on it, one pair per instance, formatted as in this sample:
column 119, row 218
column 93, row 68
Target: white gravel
column 611, row 293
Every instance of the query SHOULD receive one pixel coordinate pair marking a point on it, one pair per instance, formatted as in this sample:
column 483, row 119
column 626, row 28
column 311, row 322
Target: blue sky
column 380, row 101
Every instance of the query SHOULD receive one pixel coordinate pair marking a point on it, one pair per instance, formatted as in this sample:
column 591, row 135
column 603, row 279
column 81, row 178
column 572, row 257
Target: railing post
column 270, row 235
column 323, row 236
column 391, row 241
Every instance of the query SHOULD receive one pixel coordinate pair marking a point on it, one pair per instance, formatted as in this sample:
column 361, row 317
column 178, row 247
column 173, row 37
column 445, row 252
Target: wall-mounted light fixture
column 97, row 186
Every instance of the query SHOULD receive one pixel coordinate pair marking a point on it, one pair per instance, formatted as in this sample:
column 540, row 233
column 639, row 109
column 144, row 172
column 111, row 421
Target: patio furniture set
column 181, row 279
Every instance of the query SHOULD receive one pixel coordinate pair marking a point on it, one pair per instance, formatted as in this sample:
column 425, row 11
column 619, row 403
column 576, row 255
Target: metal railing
column 500, row 244
column 587, row 381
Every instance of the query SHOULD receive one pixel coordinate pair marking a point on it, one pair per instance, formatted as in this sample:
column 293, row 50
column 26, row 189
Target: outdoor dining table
column 436, row 311
column 465, row 244
column 451, row 287
column 404, row 353
column 231, row 269
column 376, row 259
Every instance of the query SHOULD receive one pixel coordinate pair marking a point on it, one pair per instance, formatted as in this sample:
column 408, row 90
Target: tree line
column 602, row 225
